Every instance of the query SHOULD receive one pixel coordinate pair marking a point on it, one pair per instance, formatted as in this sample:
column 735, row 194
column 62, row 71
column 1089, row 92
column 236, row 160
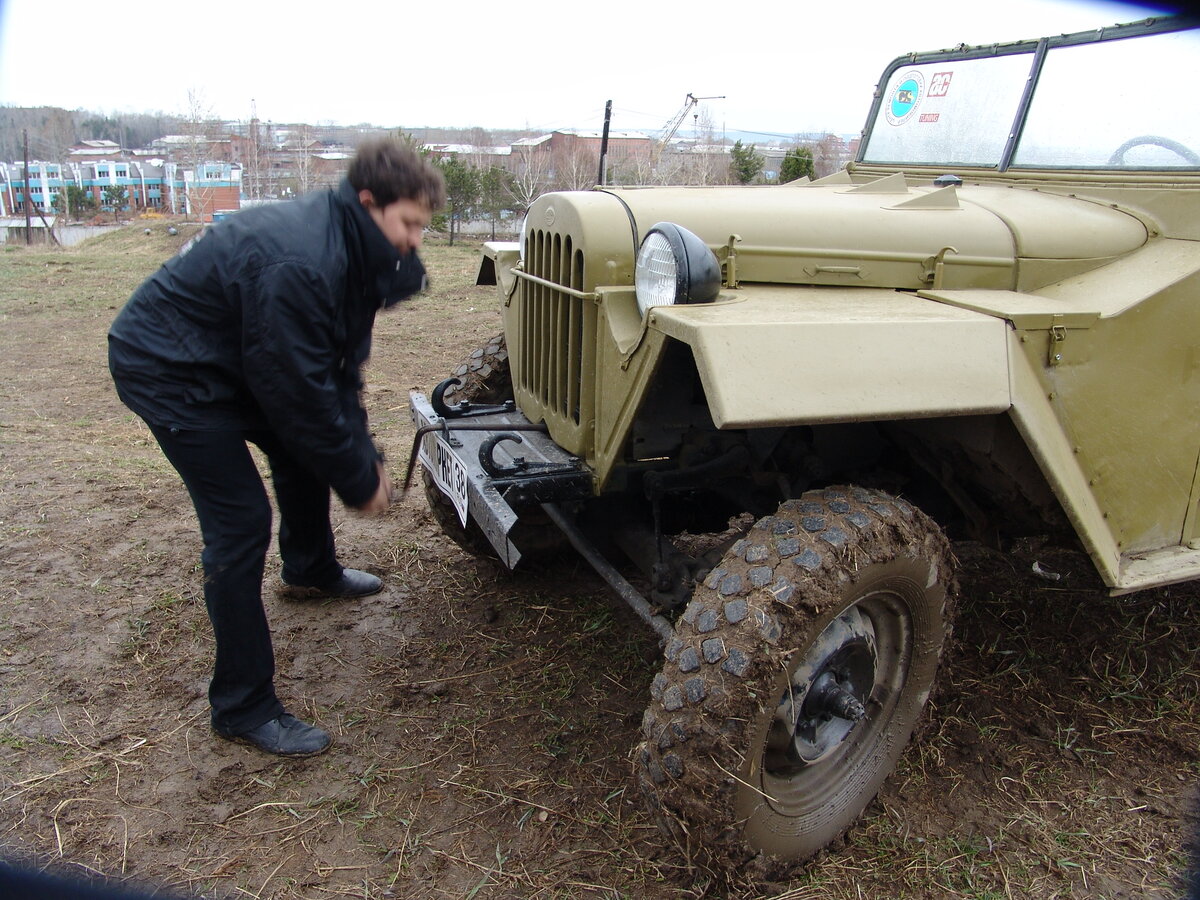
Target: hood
column 886, row 233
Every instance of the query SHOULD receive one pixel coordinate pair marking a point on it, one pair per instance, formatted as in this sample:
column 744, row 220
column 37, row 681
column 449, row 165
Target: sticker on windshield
column 940, row 86
column 906, row 98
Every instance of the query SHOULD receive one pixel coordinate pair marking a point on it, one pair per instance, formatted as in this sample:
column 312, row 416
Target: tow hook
column 519, row 465
column 466, row 407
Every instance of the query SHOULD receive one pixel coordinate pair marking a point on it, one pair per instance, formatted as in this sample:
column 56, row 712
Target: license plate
column 447, row 470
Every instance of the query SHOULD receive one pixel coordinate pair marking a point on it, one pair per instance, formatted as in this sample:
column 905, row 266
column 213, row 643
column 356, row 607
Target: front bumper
column 493, row 466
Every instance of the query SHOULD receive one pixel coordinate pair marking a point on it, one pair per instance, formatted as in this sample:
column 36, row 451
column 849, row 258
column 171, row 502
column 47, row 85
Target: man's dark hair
column 392, row 170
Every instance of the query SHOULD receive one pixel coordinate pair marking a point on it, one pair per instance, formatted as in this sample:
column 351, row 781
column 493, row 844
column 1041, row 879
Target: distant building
column 12, row 230
column 96, row 177
column 153, row 184
column 212, row 186
column 479, row 157
column 532, row 144
column 622, row 145
column 331, row 165
column 90, row 149
column 572, row 151
column 45, row 184
column 185, row 147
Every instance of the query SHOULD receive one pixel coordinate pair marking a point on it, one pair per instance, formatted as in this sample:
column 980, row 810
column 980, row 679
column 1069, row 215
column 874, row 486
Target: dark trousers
column 235, row 522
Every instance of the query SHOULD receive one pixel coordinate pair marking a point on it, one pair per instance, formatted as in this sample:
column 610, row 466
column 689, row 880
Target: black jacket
column 265, row 323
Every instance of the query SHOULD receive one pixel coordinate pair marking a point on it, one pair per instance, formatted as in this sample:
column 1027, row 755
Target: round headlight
column 656, row 278
column 675, row 266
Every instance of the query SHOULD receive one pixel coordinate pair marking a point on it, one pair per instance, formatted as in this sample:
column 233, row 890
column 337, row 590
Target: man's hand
column 383, row 494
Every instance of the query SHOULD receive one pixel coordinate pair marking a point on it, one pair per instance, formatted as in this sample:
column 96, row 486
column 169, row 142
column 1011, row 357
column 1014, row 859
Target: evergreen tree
column 798, row 163
column 462, row 191
column 746, row 163
column 78, row 201
column 495, row 191
column 115, row 196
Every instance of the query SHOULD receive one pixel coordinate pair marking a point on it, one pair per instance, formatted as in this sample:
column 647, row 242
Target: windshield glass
column 1121, row 104
column 955, row 112
column 1115, row 104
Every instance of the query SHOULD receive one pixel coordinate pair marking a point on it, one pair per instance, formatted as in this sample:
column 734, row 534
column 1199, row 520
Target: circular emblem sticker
column 905, row 98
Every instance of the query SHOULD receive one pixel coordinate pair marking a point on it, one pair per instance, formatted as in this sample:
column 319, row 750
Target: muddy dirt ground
column 484, row 722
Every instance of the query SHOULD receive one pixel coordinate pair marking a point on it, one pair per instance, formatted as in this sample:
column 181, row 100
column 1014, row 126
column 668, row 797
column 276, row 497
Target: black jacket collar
column 387, row 275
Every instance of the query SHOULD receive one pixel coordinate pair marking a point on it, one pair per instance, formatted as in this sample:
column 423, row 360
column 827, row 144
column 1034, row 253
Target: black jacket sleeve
column 294, row 337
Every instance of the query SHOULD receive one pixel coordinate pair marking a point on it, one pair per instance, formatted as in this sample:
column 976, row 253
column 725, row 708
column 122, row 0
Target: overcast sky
column 782, row 67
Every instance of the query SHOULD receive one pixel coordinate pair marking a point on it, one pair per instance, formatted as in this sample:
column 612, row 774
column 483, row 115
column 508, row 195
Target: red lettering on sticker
column 940, row 86
column 929, row 117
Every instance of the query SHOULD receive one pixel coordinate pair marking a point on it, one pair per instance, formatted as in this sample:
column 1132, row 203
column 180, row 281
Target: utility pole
column 28, row 196
column 269, row 154
column 255, row 154
column 600, row 180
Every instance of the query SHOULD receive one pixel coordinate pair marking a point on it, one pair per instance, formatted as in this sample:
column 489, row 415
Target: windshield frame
column 1037, row 49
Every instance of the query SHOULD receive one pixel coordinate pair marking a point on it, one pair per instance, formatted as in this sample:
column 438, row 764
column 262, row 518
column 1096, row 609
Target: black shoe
column 284, row 735
column 352, row 583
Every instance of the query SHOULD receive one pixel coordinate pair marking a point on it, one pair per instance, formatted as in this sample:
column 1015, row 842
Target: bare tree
column 707, row 163
column 638, row 169
column 672, row 169
column 197, row 128
column 668, row 168
column 575, row 169
column 829, row 155
column 530, row 176
column 304, row 164
column 255, row 156
column 479, row 137
column 57, row 135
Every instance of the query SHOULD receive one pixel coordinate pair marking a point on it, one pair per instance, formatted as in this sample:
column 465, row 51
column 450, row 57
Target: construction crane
column 673, row 125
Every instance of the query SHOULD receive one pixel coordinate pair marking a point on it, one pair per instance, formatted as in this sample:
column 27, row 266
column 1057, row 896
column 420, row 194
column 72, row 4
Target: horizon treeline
column 53, row 130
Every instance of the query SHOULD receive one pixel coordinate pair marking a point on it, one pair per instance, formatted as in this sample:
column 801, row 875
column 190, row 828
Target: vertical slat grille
column 553, row 327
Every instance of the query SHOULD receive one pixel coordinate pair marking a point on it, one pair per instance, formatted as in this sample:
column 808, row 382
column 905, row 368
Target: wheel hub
column 832, row 695
column 825, row 698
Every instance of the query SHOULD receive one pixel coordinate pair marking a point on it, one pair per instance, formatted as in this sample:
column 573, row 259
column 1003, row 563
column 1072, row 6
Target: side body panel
column 1106, row 390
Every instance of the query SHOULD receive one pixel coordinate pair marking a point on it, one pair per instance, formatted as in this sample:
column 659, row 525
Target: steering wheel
column 1153, row 140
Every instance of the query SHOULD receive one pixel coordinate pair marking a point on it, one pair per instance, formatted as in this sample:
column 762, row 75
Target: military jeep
column 759, row 411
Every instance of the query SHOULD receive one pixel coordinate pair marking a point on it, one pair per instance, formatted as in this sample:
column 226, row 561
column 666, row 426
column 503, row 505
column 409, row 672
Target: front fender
column 799, row 355
column 496, row 261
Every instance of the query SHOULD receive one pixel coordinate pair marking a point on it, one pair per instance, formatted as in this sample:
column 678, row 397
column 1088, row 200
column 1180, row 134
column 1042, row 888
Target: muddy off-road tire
column 796, row 676
column 484, row 375
column 486, row 380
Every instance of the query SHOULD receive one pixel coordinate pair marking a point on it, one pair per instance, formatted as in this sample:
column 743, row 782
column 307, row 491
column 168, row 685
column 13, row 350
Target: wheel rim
column 835, row 704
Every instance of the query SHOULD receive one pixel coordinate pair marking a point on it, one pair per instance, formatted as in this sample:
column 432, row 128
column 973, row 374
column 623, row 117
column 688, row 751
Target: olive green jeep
column 767, row 406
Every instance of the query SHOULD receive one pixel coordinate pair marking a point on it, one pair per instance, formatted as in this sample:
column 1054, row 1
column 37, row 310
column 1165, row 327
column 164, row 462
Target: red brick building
column 622, row 145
